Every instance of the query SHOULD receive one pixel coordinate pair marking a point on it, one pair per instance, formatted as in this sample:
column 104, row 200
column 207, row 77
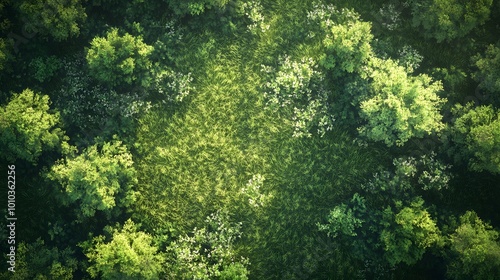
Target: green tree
column 129, row 254
column 28, row 127
column 476, row 133
column 37, row 261
column 208, row 253
column 407, row 233
column 118, row 60
column 475, row 250
column 296, row 90
column 488, row 65
column 345, row 39
column 194, row 7
column 101, row 178
column 446, row 20
column 398, row 106
column 390, row 224
column 60, row 19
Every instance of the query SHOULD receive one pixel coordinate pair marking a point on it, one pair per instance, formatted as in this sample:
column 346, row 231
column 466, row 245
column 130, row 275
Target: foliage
column 446, row 20
column 101, row 178
column 476, row 132
column 390, row 224
column 475, row 249
column 296, row 87
column 172, row 86
column 91, row 109
column 400, row 106
column 117, row 60
column 59, row 19
column 194, row 7
column 254, row 11
column 209, row 252
column 28, row 127
column 488, row 65
column 345, row 39
column 45, row 68
column 4, row 53
column 129, row 254
column 407, row 233
column 37, row 261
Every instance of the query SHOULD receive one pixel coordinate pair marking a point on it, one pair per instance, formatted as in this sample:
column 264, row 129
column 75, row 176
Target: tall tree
column 60, row 19
column 127, row 254
column 101, row 178
column 399, row 106
column 488, row 68
column 475, row 250
column 117, row 60
column 446, row 20
column 476, row 134
column 28, row 127
column 194, row 7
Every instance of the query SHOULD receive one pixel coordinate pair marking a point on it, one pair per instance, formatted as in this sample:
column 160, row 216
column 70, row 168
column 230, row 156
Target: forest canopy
column 234, row 139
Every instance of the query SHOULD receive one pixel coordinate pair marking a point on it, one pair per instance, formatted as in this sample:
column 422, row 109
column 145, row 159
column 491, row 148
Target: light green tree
column 118, row 60
column 345, row 39
column 476, row 132
column 129, row 254
column 446, row 20
column 398, row 106
column 101, row 178
column 28, row 127
column 475, row 248
column 60, row 19
column 408, row 233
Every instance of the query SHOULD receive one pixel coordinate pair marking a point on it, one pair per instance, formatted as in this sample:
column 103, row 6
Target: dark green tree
column 60, row 19
column 488, row 65
column 446, row 20
column 38, row 261
column 475, row 250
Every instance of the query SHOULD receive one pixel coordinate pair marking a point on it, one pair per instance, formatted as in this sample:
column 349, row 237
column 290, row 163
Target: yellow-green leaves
column 101, row 178
column 118, row 60
column 476, row 131
column 400, row 106
column 412, row 231
column 27, row 127
column 129, row 254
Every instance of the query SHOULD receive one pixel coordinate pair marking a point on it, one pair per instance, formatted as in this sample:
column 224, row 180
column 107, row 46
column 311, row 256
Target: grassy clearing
column 196, row 159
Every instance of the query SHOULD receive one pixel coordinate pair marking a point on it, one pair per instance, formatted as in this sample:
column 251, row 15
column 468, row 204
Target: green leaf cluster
column 28, row 127
column 476, row 132
column 118, row 60
column 129, row 254
column 101, row 178
column 59, row 19
column 399, row 106
column 446, row 20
